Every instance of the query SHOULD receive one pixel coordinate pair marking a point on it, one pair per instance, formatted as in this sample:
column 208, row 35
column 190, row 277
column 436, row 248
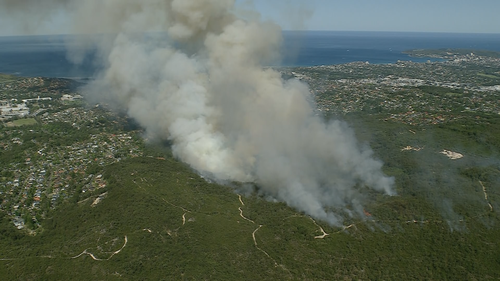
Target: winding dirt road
column 486, row 196
column 254, row 232
column 85, row 252
column 321, row 229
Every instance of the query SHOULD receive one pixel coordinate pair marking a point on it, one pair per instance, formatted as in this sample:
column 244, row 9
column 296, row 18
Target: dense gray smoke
column 228, row 117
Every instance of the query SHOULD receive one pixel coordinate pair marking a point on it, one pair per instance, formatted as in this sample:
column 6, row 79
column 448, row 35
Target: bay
column 46, row 56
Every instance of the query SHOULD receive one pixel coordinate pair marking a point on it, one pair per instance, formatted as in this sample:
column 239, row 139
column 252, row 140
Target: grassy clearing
column 488, row 75
column 22, row 122
column 453, row 94
column 6, row 78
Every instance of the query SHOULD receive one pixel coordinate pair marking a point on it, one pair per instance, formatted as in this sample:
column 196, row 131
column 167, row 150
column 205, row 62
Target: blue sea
column 46, row 56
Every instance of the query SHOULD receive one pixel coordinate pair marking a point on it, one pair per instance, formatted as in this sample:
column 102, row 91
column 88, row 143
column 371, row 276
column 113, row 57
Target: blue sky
column 466, row 16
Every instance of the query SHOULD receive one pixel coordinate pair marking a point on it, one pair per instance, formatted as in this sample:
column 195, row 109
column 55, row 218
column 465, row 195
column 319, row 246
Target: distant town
column 408, row 92
column 54, row 146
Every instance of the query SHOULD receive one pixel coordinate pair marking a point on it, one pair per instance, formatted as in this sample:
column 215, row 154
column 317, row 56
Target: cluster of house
column 53, row 174
column 47, row 175
column 68, row 97
column 399, row 93
column 11, row 108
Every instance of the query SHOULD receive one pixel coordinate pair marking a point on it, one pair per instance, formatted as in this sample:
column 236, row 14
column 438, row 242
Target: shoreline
column 423, row 56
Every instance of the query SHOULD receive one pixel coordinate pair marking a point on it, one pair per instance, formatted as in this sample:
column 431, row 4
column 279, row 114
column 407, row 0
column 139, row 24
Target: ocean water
column 329, row 47
column 47, row 56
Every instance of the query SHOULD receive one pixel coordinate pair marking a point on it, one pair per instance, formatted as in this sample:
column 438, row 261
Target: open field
column 6, row 78
column 488, row 76
column 22, row 122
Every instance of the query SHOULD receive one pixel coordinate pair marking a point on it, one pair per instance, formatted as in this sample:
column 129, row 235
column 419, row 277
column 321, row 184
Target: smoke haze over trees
column 205, row 90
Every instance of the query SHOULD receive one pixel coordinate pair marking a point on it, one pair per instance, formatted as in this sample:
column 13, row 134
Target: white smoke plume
column 205, row 90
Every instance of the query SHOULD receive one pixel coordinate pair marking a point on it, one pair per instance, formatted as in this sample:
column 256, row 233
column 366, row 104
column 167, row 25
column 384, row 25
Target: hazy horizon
column 447, row 16
column 285, row 31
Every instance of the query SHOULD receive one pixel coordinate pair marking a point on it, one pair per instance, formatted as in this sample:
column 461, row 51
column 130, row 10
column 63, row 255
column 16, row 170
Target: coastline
column 35, row 56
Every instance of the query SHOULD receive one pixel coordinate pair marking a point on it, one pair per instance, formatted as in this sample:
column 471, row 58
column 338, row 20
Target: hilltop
column 158, row 220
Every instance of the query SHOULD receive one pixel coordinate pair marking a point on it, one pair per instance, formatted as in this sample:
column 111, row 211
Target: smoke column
column 205, row 90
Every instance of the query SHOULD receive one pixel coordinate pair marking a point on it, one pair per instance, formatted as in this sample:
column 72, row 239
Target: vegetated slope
column 158, row 220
